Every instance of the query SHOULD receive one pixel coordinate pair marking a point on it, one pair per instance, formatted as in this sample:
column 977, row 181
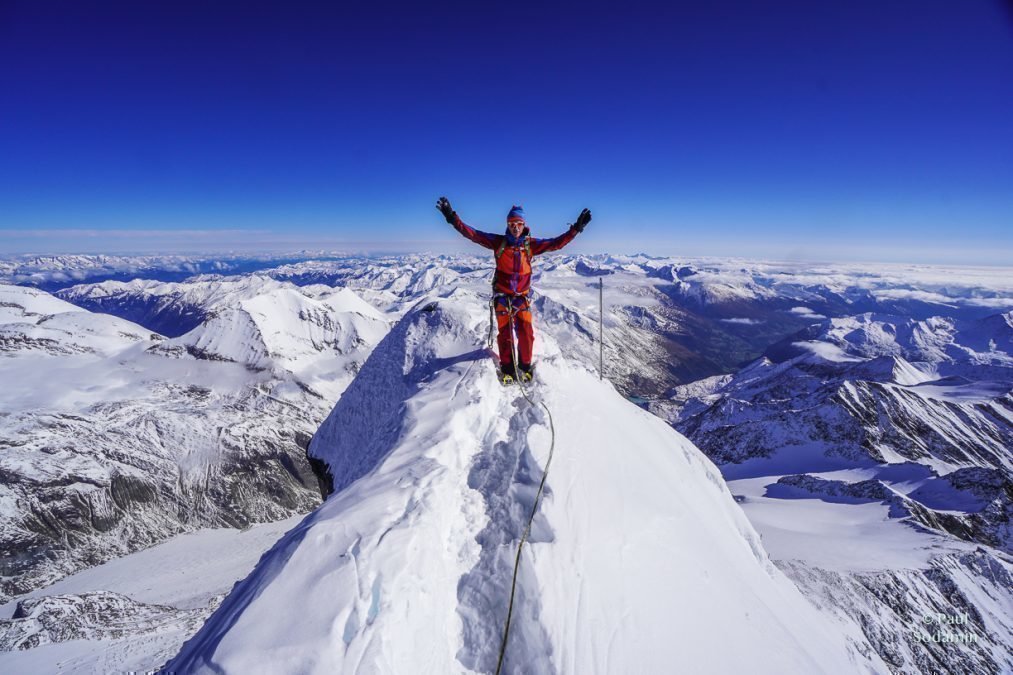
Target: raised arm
column 539, row 246
column 481, row 238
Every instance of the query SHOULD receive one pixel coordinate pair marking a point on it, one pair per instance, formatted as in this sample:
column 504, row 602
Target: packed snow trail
column 522, row 385
column 639, row 559
column 524, row 538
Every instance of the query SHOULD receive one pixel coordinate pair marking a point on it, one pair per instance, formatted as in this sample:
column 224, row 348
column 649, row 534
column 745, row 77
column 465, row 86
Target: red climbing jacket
column 513, row 256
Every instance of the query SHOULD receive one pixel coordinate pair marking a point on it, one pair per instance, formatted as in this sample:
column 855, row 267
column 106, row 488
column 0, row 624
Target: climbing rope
column 538, row 495
column 492, row 320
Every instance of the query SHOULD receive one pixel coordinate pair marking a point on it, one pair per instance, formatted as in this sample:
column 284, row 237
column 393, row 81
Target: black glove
column 582, row 220
column 447, row 210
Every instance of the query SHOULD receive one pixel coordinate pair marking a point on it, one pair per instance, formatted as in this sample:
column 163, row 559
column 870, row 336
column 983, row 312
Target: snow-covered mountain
column 32, row 321
column 639, row 558
column 668, row 321
column 860, row 414
column 673, row 321
column 879, row 427
column 52, row 272
column 115, row 438
column 866, row 389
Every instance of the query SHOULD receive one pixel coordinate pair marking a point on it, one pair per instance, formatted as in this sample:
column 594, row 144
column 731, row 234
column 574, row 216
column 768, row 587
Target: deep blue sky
column 862, row 130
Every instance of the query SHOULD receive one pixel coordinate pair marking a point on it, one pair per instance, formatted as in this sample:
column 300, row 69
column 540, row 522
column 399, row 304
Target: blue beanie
column 516, row 213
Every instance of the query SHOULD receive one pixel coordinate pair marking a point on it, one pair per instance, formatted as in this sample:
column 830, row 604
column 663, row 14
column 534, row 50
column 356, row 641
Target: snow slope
column 639, row 559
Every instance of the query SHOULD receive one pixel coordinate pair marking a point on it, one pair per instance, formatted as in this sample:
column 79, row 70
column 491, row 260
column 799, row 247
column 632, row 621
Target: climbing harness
column 512, row 312
column 534, row 506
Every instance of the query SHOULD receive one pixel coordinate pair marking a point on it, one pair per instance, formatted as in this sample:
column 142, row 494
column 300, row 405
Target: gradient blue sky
column 861, row 130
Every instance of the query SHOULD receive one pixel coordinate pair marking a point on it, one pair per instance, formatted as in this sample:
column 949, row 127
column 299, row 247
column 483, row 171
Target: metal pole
column 601, row 317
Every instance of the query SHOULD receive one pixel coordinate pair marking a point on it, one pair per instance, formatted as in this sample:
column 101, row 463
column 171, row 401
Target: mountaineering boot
column 527, row 372
column 507, row 375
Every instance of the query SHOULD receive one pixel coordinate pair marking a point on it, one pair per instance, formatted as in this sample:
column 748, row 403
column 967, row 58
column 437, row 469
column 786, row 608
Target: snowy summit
column 639, row 559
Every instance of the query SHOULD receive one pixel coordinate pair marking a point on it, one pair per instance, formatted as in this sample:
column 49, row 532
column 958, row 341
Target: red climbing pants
column 519, row 306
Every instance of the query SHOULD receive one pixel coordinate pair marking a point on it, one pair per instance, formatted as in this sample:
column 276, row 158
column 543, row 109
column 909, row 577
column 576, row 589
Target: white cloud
column 806, row 313
column 742, row 320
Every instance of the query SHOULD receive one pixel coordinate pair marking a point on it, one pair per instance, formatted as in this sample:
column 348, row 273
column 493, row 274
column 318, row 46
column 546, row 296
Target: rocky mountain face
column 951, row 615
column 115, row 438
column 844, row 393
column 91, row 616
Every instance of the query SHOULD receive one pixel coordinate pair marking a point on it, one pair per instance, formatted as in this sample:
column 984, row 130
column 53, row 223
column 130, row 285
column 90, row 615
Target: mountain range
column 825, row 475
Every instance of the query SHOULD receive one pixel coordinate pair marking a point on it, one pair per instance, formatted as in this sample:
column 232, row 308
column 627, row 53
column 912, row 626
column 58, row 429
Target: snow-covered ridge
column 406, row 567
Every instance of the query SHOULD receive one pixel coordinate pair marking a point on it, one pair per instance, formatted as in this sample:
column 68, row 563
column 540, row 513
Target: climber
column 513, row 251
